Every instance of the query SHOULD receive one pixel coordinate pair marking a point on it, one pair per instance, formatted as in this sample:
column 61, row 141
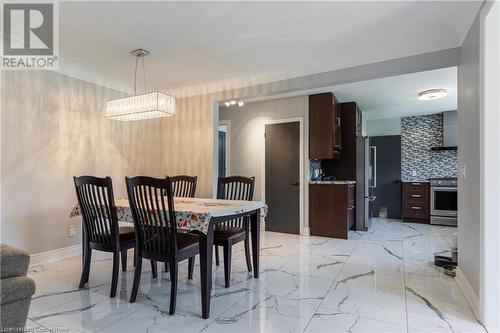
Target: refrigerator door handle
column 374, row 166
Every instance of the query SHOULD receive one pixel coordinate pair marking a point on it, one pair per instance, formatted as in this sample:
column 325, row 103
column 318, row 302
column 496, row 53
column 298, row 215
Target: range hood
column 449, row 131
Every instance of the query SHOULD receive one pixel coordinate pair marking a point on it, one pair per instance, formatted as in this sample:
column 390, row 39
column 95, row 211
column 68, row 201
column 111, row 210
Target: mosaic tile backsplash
column 313, row 164
column 418, row 135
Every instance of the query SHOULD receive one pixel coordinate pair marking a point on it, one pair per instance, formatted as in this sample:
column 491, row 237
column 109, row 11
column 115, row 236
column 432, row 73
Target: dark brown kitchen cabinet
column 416, row 202
column 337, row 126
column 332, row 209
column 325, row 140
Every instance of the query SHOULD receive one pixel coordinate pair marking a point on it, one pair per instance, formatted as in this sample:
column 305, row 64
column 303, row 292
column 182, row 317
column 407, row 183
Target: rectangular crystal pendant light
column 139, row 107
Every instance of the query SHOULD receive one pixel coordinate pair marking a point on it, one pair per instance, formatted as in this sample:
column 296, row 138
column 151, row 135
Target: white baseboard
column 55, row 255
column 306, row 231
column 469, row 293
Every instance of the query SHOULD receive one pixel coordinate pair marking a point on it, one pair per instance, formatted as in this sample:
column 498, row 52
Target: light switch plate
column 71, row 230
column 463, row 171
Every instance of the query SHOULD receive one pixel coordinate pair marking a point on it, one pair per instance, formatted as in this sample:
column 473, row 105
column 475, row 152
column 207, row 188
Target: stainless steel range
column 444, row 201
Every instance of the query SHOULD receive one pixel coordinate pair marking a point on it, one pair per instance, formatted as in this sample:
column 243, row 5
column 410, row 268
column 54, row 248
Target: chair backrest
column 184, row 186
column 154, row 217
column 97, row 205
column 236, row 188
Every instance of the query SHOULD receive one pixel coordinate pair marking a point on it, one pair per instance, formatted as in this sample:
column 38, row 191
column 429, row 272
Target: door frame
column 302, row 180
column 487, row 303
column 226, row 123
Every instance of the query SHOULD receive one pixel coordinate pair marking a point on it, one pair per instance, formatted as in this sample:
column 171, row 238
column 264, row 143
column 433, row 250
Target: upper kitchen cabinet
column 325, row 141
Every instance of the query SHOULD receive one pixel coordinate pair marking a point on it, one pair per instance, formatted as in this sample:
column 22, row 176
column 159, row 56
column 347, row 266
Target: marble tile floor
column 382, row 280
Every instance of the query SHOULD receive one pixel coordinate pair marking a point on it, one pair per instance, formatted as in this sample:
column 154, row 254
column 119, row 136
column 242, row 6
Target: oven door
column 444, row 201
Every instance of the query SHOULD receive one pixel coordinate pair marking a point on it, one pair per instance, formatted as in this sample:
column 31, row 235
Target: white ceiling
column 397, row 96
column 202, row 47
column 389, row 97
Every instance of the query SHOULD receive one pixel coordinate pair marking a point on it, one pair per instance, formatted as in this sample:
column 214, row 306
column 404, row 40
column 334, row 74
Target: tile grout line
column 331, row 285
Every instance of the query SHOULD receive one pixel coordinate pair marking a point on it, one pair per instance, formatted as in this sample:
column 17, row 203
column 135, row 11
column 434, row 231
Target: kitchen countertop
column 336, row 182
column 417, row 181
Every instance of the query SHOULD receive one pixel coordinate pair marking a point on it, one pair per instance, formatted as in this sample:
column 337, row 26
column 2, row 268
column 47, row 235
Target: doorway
column 388, row 189
column 223, row 145
column 282, row 176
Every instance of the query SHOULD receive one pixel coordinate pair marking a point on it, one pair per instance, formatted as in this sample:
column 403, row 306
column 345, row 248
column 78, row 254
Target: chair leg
column 114, row 279
column 137, row 278
column 173, row 287
column 227, row 265
column 247, row 253
column 135, row 259
column 166, row 266
column 87, row 254
column 217, row 261
column 191, row 267
column 154, row 269
column 124, row 260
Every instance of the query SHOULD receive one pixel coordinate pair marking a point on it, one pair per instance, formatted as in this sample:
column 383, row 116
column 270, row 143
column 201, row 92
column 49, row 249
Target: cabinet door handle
column 416, row 184
column 416, row 207
column 338, row 121
column 351, row 207
column 416, row 196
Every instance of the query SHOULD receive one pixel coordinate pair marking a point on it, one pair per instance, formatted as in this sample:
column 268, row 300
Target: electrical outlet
column 414, row 173
column 71, row 230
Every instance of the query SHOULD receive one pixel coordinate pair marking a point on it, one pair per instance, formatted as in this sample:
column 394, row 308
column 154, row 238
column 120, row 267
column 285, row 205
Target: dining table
column 201, row 215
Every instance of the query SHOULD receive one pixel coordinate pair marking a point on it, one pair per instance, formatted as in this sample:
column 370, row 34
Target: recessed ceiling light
column 431, row 94
column 241, row 103
column 233, row 102
column 228, row 104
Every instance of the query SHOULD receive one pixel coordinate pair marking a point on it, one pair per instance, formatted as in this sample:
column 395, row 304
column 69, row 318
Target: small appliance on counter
column 317, row 175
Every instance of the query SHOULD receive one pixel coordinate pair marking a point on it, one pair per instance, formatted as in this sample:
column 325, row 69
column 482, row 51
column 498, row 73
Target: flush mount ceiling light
column 233, row 102
column 141, row 106
column 431, row 94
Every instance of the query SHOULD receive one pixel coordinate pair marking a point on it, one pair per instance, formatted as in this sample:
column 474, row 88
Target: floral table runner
column 192, row 213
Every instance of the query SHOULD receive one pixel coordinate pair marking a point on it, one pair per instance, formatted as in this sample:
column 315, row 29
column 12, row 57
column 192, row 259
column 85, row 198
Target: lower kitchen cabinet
column 332, row 209
column 416, row 202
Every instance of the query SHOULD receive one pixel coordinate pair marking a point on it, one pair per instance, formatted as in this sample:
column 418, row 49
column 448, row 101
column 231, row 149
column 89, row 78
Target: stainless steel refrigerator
column 366, row 182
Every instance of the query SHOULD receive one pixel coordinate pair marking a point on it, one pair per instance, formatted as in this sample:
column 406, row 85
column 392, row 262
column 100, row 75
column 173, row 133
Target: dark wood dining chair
column 156, row 230
column 234, row 231
column 100, row 225
column 184, row 186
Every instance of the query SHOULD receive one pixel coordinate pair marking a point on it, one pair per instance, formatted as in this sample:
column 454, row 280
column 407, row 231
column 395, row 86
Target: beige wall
column 246, row 137
column 53, row 127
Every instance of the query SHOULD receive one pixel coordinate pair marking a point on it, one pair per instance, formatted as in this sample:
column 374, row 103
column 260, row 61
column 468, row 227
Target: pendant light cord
column 144, row 72
column 135, row 75
column 140, row 53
